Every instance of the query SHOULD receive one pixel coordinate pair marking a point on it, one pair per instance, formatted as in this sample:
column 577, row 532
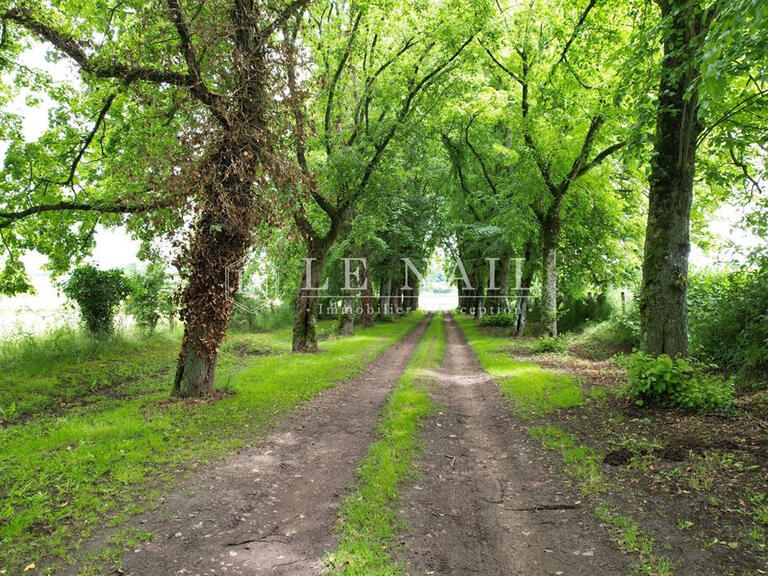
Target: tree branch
column 404, row 110
column 601, row 156
column 118, row 70
column 335, row 80
column 509, row 72
column 571, row 39
column 8, row 218
column 88, row 139
column 579, row 163
column 479, row 158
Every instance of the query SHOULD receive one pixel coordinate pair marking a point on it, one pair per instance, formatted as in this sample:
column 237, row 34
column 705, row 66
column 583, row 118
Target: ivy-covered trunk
column 663, row 313
column 221, row 240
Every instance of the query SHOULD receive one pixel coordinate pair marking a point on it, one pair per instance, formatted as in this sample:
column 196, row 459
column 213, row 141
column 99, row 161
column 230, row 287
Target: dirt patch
column 489, row 500
column 271, row 509
column 689, row 479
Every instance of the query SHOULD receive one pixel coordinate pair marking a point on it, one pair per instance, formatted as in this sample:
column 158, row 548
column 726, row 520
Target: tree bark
column 347, row 323
column 550, row 232
column 396, row 301
column 220, row 242
column 367, row 300
column 305, row 315
column 385, row 293
column 663, row 311
column 524, row 289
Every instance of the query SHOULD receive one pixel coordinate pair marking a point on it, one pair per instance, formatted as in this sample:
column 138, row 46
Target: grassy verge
column 62, row 475
column 50, row 373
column 368, row 520
column 534, row 393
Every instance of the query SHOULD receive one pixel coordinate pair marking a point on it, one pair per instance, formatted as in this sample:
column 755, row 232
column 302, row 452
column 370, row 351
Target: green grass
column 62, row 474
column 533, row 390
column 54, row 371
column 535, row 393
column 368, row 520
column 630, row 537
column 581, row 463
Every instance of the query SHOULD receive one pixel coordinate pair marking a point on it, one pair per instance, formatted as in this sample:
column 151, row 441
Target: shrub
column 387, row 318
column 501, row 320
column 150, row 297
column 681, row 383
column 550, row 344
column 728, row 319
column 98, row 293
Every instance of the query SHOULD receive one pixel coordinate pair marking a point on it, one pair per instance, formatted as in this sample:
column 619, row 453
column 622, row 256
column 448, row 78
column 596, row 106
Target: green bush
column 550, row 344
column 387, row 318
column 728, row 320
column 150, row 297
column 501, row 320
column 98, row 293
column 681, row 383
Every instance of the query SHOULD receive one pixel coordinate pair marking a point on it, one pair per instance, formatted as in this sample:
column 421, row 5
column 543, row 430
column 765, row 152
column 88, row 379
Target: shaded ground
column 489, row 500
column 698, row 483
column 271, row 509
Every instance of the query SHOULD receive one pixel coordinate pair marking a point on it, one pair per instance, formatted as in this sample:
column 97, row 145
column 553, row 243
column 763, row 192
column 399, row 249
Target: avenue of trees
column 592, row 140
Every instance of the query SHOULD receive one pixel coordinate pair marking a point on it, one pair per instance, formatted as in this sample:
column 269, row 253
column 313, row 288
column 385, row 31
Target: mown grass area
column 534, row 393
column 62, row 474
column 368, row 520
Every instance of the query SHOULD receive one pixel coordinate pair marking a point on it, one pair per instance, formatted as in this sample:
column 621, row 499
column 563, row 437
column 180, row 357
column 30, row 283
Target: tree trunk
column 367, row 301
column 663, row 311
column 347, row 323
column 415, row 295
column 522, row 301
column 305, row 316
column 550, row 232
column 384, row 294
column 211, row 267
column 396, row 300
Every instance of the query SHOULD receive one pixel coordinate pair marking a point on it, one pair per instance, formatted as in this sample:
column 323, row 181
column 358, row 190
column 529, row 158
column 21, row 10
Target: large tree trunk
column 663, row 313
column 550, row 232
column 211, row 267
column 305, row 315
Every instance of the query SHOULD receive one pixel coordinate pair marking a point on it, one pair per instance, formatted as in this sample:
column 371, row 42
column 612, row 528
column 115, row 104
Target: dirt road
column 271, row 509
column 489, row 501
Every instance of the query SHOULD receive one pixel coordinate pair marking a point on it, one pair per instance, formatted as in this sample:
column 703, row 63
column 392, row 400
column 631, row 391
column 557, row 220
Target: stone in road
column 272, row 508
column 473, row 509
